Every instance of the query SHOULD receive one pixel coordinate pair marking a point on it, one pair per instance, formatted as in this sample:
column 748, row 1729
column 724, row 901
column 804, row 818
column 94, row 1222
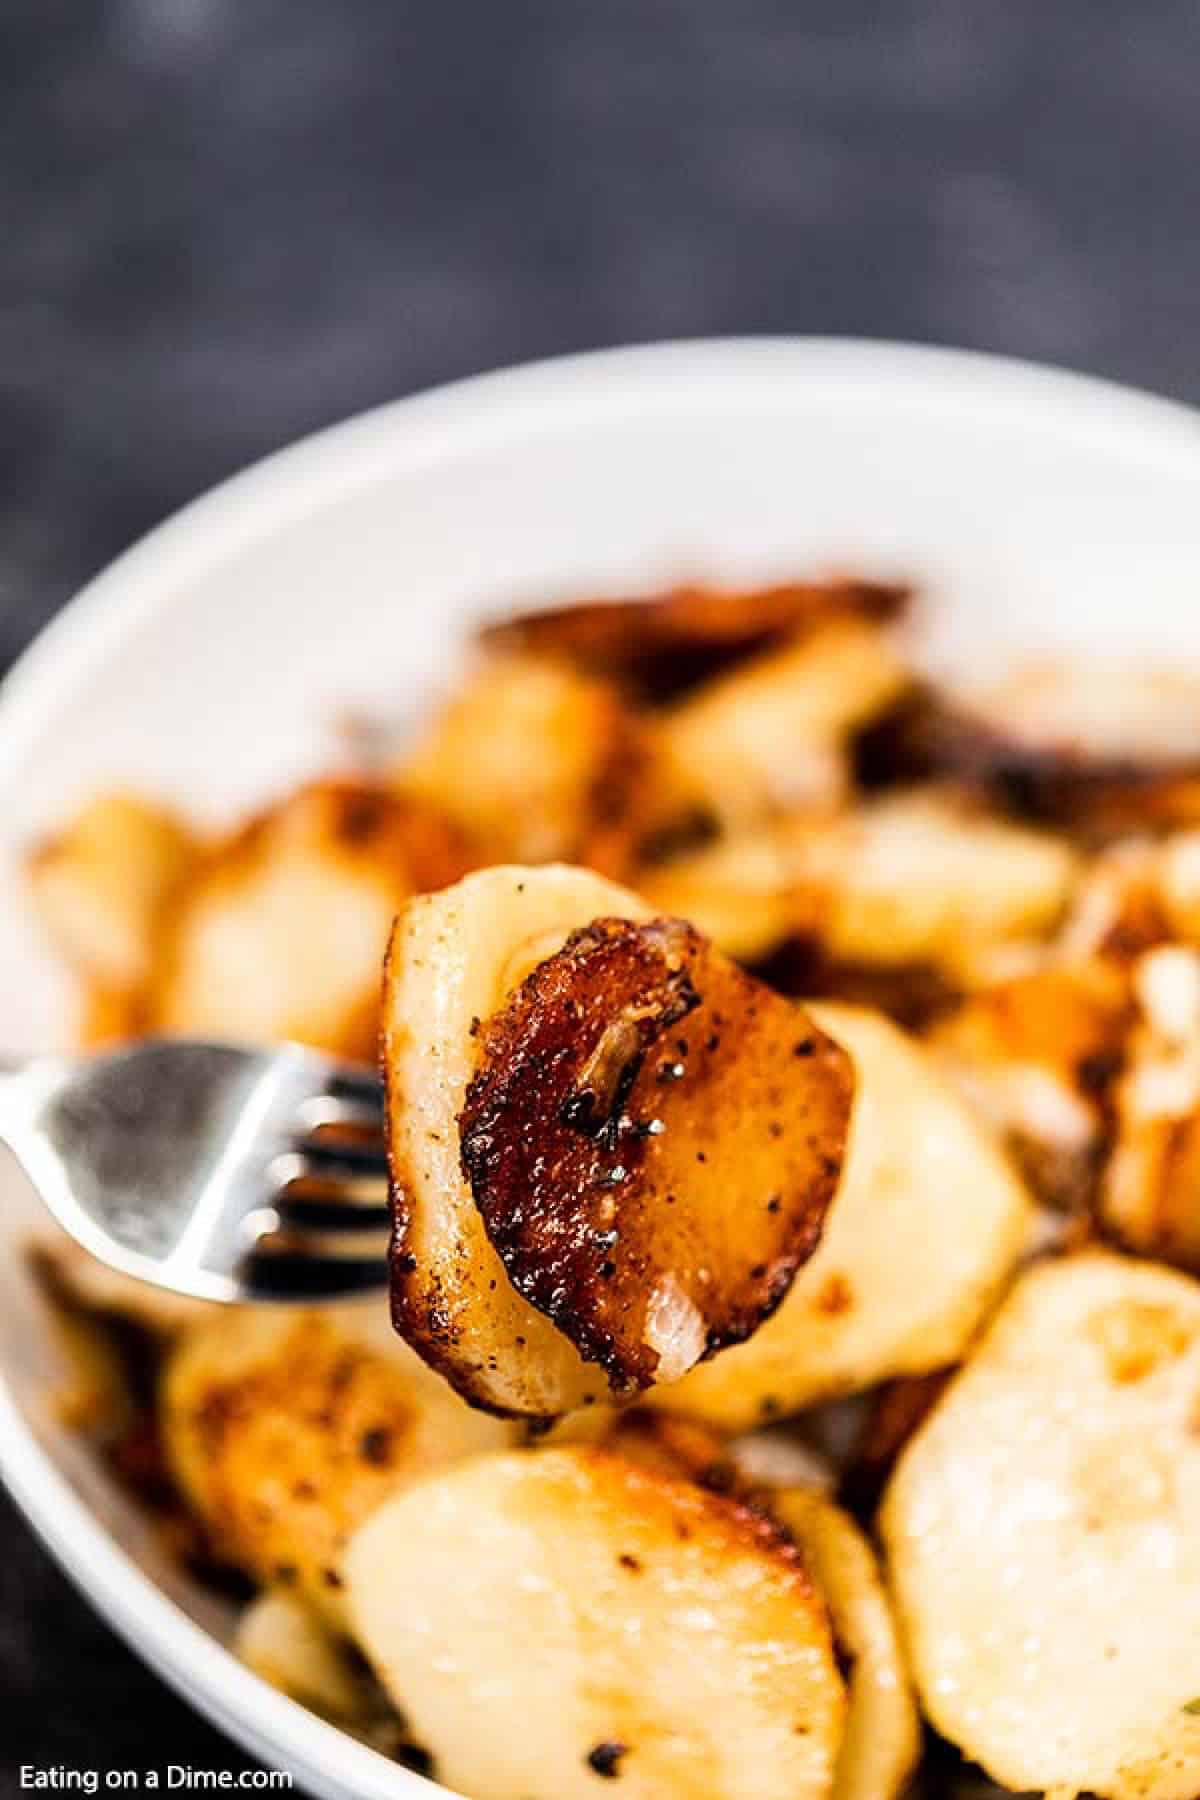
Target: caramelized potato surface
column 662, row 644
column 285, row 1428
column 536, row 763
column 652, row 1138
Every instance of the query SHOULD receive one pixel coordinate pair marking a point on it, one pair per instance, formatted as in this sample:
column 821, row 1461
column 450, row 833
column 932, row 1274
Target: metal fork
column 223, row 1173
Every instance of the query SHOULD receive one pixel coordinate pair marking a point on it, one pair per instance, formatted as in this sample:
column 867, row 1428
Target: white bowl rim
column 407, row 433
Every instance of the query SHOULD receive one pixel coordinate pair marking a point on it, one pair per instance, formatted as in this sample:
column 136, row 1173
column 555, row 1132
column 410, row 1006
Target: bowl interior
column 216, row 662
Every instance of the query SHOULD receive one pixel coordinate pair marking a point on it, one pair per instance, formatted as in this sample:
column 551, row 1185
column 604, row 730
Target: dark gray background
column 224, row 222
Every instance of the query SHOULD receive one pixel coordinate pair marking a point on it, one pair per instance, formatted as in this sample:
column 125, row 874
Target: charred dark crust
column 924, row 736
column 631, row 1100
column 659, row 647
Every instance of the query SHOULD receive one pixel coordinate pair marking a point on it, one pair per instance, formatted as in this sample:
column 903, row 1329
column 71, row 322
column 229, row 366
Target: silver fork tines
column 219, row 1172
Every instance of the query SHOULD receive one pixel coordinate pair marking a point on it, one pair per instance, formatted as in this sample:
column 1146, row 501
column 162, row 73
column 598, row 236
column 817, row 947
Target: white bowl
column 210, row 663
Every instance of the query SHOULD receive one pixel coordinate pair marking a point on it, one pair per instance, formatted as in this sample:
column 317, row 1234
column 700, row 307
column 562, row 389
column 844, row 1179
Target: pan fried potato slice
column 772, row 734
column 103, row 884
column 652, row 1138
column 533, row 760
column 883, row 1729
column 920, row 878
column 282, row 933
column 661, row 644
column 925, row 1228
column 286, row 1428
column 1043, row 1534
column 454, row 959
column 1036, row 1056
column 656, row 1633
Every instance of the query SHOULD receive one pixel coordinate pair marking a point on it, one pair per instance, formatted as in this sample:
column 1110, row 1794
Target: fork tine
column 336, row 1159
column 340, row 1112
column 306, row 1205
column 298, row 1277
column 347, row 1082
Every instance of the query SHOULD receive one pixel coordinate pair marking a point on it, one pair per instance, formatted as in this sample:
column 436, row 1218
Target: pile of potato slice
column 793, row 1095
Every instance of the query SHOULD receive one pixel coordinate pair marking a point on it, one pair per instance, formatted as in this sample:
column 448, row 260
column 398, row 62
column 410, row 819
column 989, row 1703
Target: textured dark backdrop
column 224, row 222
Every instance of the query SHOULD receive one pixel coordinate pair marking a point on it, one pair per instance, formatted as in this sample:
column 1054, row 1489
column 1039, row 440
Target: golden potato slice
column 1037, row 1057
column 616, row 1622
column 882, row 1740
column 772, row 734
column 652, row 1138
column 103, row 884
column 664, row 643
column 536, row 763
column 926, row 1225
column 285, row 1428
column 921, row 878
column 1043, row 1535
column 454, row 959
column 282, row 933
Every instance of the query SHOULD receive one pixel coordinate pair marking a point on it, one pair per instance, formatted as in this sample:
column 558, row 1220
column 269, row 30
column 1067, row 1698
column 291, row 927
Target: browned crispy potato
column 772, row 734
column 1149, row 1198
column 662, row 644
column 1104, row 748
column 652, row 1138
column 1037, row 1056
column 539, row 763
column 453, row 960
column 659, row 1634
column 286, row 1428
column 925, row 1228
column 281, row 934
column 103, row 884
column 923, row 878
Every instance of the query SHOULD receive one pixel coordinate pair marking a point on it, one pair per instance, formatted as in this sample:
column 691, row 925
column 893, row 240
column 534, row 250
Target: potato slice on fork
column 611, row 1148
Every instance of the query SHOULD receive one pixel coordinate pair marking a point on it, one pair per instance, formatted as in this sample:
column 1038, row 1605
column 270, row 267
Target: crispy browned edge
column 925, row 736
column 658, row 646
column 549, row 1076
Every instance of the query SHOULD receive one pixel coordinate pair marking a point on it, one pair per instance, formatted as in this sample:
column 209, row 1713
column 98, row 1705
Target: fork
column 216, row 1171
